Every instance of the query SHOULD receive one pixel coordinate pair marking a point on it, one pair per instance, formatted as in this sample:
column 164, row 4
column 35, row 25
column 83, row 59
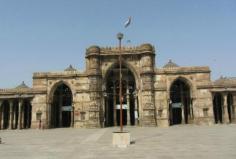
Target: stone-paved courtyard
column 184, row 141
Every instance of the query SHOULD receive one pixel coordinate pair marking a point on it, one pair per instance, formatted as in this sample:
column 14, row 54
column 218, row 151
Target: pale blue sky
column 48, row 35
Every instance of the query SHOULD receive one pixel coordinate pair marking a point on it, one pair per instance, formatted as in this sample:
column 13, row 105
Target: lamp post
column 120, row 37
column 120, row 139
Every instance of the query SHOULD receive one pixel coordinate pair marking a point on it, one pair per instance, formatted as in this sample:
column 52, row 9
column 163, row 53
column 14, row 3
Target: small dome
column 93, row 49
column 22, row 86
column 70, row 68
column 147, row 47
column 170, row 64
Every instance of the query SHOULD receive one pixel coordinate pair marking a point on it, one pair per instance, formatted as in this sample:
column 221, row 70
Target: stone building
column 151, row 96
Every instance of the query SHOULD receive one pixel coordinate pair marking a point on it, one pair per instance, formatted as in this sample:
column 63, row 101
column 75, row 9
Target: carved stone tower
column 95, row 88
column 147, row 85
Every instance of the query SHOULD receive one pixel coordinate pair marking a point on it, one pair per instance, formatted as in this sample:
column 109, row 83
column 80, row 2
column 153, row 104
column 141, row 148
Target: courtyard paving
column 177, row 142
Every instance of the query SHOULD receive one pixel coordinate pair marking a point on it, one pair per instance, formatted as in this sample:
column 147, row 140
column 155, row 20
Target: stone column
column 15, row 115
column 114, row 108
column 182, row 106
column 192, row 104
column 10, row 126
column 60, row 109
column 128, row 105
column 225, row 110
column 28, row 115
column 2, row 121
column 106, row 107
column 1, row 116
column 135, row 110
column 233, row 107
column 72, row 116
column 103, row 118
column 169, row 102
column 49, row 115
column 19, row 125
column 182, row 111
column 23, row 116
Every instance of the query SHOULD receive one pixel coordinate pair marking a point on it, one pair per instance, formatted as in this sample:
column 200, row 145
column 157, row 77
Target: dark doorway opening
column 217, row 108
column 61, row 107
column 180, row 103
column 6, row 114
column 112, row 99
column 27, row 109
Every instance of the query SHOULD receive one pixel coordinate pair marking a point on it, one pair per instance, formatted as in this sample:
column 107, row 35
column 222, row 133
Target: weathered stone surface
column 150, row 92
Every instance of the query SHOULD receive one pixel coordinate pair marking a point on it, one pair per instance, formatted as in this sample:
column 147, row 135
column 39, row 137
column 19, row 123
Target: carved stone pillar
column 225, row 110
column 72, row 116
column 128, row 105
column 192, row 104
column 10, row 126
column 60, row 109
column 169, row 102
column 183, row 116
column 114, row 108
column 19, row 125
column 23, row 116
column 1, row 116
column 14, row 116
column 233, row 108
column 50, row 121
column 106, row 110
column 136, row 110
column 28, row 115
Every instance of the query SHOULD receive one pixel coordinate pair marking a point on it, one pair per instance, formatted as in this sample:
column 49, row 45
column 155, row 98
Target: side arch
column 54, row 87
column 60, row 105
column 185, row 80
column 180, row 101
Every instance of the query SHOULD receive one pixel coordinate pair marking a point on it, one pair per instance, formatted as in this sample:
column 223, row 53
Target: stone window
column 82, row 117
column 205, row 112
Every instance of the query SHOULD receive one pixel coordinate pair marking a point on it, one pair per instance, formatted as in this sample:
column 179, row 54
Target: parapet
column 144, row 48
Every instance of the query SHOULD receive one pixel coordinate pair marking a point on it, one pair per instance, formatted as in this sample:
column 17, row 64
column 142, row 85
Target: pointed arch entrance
column 61, row 107
column 112, row 101
column 180, row 109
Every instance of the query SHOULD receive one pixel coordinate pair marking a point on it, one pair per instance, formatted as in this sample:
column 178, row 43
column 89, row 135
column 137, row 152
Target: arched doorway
column 61, row 107
column 112, row 100
column 5, row 114
column 180, row 109
column 217, row 108
column 230, row 107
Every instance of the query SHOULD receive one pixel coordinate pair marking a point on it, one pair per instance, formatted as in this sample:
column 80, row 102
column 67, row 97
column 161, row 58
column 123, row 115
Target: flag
column 127, row 23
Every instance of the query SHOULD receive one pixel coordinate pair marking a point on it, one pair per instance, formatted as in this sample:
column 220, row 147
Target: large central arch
column 111, row 97
column 61, row 107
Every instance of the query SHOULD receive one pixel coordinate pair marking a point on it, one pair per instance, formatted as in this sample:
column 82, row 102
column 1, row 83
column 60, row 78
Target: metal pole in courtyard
column 120, row 37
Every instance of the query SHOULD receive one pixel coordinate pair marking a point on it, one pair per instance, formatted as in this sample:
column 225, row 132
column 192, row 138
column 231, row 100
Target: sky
column 49, row 35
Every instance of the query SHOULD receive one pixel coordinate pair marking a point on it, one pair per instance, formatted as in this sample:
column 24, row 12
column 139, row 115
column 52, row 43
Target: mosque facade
column 151, row 96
